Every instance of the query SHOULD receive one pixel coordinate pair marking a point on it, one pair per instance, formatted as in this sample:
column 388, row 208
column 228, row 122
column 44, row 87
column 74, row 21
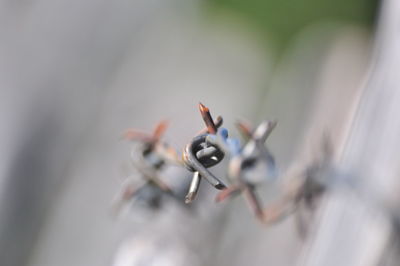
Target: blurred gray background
column 74, row 75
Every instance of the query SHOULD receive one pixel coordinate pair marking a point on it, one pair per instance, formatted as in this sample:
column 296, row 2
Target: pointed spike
column 244, row 128
column 205, row 113
column 160, row 129
column 263, row 130
column 133, row 134
column 203, row 108
column 227, row 193
column 218, row 123
column 194, row 188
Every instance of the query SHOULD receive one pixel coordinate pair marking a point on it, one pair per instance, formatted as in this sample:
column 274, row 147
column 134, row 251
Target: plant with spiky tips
column 149, row 156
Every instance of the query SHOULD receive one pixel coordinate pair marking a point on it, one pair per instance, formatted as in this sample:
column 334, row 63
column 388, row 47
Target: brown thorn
column 205, row 113
column 279, row 210
column 244, row 128
column 254, row 203
column 218, row 123
column 133, row 134
column 160, row 130
column 227, row 193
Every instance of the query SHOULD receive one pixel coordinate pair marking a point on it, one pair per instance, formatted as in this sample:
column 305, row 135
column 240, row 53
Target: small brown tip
column 244, row 128
column 203, row 108
column 133, row 134
column 160, row 129
column 190, row 197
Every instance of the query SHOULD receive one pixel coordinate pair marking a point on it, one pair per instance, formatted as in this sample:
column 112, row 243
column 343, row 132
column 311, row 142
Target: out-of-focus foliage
column 281, row 19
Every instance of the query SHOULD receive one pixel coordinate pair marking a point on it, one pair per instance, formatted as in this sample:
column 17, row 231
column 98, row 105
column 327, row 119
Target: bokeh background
column 74, row 75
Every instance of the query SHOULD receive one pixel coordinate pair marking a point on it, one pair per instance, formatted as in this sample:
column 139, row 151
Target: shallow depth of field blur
column 74, row 75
